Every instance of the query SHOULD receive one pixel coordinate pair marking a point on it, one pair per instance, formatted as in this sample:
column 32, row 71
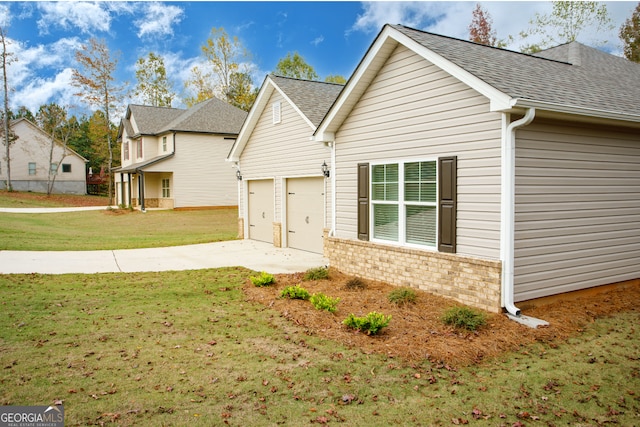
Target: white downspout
column 507, row 232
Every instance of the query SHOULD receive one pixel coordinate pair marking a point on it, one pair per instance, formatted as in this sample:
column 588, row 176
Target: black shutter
column 363, row 201
column 447, row 201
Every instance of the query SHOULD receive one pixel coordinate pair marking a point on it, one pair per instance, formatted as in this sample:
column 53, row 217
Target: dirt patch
column 57, row 199
column 416, row 331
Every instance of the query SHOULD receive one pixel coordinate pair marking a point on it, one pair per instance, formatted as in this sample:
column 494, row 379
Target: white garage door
column 305, row 213
column 260, row 209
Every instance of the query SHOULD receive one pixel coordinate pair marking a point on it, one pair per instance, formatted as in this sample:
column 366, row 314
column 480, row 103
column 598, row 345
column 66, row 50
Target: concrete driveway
column 258, row 256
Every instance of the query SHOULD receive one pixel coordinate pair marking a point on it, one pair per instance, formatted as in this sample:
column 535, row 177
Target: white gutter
column 507, row 227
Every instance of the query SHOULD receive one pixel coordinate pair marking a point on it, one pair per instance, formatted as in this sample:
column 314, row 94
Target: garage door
column 260, row 202
column 305, row 213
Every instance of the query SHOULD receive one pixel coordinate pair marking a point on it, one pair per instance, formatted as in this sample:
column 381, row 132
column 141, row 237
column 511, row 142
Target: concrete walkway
column 258, row 256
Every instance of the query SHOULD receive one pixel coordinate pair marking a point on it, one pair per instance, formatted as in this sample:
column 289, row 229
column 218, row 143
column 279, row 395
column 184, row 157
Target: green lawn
column 185, row 348
column 94, row 230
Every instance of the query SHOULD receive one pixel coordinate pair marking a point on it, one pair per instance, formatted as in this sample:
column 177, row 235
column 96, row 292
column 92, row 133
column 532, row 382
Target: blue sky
column 331, row 36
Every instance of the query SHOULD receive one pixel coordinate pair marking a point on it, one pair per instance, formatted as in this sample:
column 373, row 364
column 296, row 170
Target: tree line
column 225, row 73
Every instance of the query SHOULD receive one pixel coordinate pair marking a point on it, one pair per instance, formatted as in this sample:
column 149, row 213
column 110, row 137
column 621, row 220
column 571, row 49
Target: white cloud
column 158, row 20
column 40, row 91
column 86, row 17
column 318, row 40
column 5, row 15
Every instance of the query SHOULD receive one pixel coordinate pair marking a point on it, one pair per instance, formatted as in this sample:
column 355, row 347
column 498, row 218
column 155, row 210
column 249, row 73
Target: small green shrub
column 264, row 279
column 370, row 324
column 295, row 292
column 322, row 302
column 355, row 284
column 318, row 273
column 402, row 296
column 464, row 318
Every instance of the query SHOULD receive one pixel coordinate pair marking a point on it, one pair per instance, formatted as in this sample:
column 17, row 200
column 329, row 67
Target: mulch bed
column 416, row 331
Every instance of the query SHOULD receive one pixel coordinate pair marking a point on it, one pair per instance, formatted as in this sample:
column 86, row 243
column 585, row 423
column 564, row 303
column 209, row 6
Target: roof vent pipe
column 508, row 210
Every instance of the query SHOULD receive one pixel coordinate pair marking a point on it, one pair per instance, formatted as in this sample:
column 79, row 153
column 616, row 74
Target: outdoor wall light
column 325, row 170
column 238, row 175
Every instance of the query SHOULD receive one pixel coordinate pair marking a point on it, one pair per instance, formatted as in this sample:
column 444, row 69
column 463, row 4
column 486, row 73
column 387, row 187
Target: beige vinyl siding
column 283, row 150
column 414, row 110
column 33, row 145
column 577, row 208
column 201, row 176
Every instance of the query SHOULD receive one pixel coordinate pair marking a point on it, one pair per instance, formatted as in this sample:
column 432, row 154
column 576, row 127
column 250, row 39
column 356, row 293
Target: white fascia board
column 252, row 119
column 322, row 132
column 574, row 110
column 499, row 101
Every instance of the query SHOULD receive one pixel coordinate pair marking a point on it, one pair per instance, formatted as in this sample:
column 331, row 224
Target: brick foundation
column 471, row 281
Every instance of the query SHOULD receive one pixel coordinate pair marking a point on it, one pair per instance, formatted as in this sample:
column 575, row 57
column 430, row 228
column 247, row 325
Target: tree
column 335, row 79
column 8, row 136
column 295, row 66
column 565, row 23
column 480, row 29
column 97, row 87
column 242, row 94
column 23, row 113
column 226, row 67
column 153, row 85
column 52, row 118
column 630, row 35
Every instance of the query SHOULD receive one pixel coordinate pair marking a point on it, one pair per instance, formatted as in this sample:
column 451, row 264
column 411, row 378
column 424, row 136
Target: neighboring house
column 33, row 166
column 485, row 175
column 283, row 198
column 175, row 158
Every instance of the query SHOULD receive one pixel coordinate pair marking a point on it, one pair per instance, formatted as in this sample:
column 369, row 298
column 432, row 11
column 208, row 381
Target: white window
column 54, row 168
column 404, row 202
column 164, row 143
column 32, row 168
column 166, row 192
column 276, row 110
column 126, row 150
column 139, row 149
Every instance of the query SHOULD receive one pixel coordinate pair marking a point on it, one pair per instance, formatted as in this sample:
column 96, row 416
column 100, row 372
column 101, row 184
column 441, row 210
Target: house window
column 404, row 202
column 166, row 192
column 32, row 168
column 164, row 143
column 276, row 110
column 53, row 169
column 126, row 150
column 139, row 149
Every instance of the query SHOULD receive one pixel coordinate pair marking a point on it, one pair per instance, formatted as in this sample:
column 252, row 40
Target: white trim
column 572, row 109
column 401, row 203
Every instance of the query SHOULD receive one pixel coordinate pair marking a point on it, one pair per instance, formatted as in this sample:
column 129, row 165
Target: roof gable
column 68, row 150
column 210, row 116
column 311, row 99
column 574, row 78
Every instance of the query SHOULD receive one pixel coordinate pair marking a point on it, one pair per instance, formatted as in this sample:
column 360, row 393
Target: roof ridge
column 480, row 44
column 305, row 80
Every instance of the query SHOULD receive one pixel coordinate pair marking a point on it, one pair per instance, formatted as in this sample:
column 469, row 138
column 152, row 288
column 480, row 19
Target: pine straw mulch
column 416, row 331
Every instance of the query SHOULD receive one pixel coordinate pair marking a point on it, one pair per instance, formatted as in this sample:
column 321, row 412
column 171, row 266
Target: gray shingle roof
column 571, row 75
column 312, row 98
column 210, row 116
